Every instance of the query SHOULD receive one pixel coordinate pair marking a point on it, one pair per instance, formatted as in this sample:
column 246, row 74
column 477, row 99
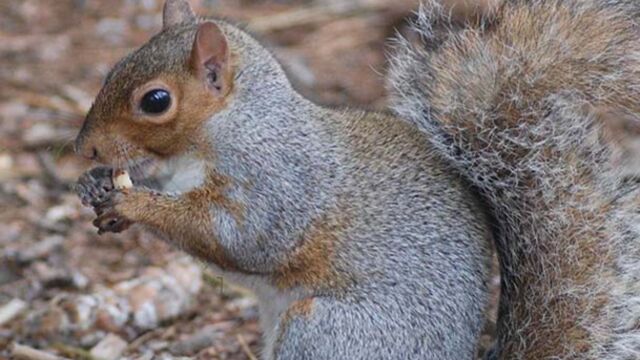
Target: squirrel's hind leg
column 323, row 328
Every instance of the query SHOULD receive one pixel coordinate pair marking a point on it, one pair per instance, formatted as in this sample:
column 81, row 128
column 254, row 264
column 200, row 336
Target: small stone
column 110, row 348
column 90, row 340
column 59, row 213
column 187, row 273
column 158, row 345
column 79, row 280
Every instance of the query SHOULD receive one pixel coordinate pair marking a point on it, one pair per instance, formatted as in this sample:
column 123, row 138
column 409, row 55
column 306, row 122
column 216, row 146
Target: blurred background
column 73, row 294
column 66, row 292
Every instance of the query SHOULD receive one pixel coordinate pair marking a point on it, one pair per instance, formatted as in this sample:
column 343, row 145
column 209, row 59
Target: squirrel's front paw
column 109, row 218
column 96, row 189
column 94, row 186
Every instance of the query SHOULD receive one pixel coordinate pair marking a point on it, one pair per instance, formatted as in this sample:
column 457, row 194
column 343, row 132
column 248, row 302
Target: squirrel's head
column 155, row 101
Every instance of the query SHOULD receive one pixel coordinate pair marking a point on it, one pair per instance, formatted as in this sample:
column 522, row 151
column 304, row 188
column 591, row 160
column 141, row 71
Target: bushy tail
column 519, row 102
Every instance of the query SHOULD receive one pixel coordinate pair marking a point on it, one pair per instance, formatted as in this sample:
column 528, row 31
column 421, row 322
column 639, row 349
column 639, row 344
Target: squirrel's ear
column 176, row 12
column 210, row 57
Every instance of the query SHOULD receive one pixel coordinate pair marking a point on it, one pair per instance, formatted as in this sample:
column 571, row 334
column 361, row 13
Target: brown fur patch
column 312, row 264
column 186, row 219
column 302, row 308
column 211, row 193
column 298, row 309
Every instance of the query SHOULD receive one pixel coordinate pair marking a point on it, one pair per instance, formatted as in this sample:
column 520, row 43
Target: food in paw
column 122, row 180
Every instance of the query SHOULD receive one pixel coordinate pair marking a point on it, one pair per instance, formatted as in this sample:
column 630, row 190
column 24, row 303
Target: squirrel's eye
column 155, row 101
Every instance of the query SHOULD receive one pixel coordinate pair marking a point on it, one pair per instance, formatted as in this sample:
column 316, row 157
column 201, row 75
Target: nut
column 121, row 180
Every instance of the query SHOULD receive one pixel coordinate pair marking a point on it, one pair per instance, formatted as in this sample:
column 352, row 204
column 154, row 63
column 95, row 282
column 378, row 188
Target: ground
column 63, row 288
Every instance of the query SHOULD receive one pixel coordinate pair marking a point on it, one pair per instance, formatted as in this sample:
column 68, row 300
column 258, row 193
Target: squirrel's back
column 519, row 102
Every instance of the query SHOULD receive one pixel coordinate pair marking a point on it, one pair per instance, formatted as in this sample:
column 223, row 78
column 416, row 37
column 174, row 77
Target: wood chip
column 191, row 345
column 11, row 310
column 6, row 164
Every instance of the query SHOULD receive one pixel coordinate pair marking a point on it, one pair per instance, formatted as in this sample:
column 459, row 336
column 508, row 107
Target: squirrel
column 358, row 240
column 520, row 103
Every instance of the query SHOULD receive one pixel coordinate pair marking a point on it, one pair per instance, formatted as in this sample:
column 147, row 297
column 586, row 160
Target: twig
column 136, row 343
column 245, row 347
column 28, row 353
column 73, row 352
column 314, row 14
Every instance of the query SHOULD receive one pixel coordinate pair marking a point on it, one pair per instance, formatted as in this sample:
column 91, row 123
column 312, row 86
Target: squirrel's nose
column 85, row 150
column 83, row 145
column 90, row 153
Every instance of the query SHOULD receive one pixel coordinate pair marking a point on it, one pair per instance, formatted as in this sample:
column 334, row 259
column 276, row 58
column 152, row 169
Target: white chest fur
column 272, row 303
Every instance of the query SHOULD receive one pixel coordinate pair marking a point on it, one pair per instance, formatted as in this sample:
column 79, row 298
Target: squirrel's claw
column 111, row 222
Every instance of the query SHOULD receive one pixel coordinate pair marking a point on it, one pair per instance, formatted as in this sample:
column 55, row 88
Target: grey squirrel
column 358, row 240
column 519, row 103
column 355, row 231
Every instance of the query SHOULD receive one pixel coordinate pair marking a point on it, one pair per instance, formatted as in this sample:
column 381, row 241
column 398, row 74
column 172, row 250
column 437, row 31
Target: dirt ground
column 70, row 292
